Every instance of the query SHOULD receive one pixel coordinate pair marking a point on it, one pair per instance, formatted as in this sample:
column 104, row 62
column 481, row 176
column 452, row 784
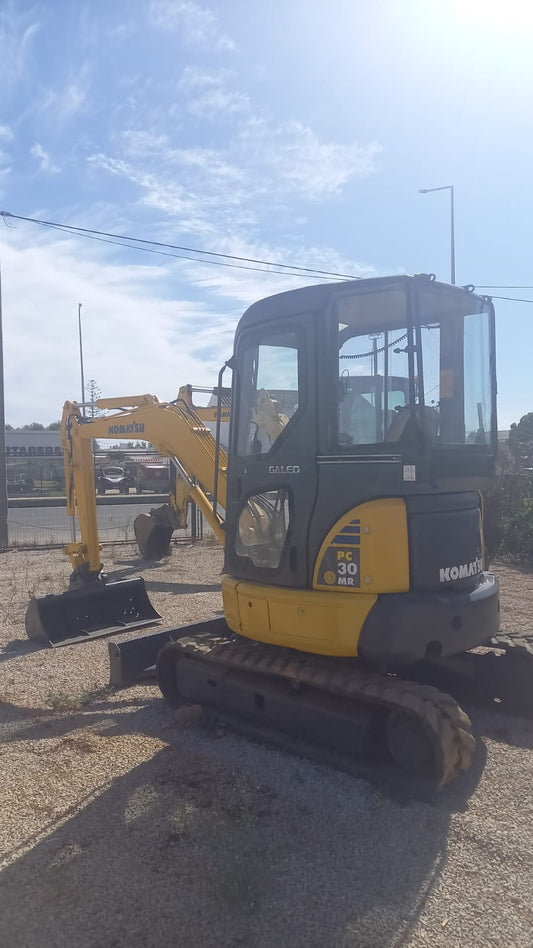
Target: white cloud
column 134, row 339
column 206, row 96
column 303, row 163
column 45, row 162
column 123, row 30
column 196, row 25
column 143, row 144
column 4, row 175
column 68, row 102
column 193, row 78
column 6, row 135
column 218, row 103
column 244, row 286
column 159, row 191
column 148, row 326
column 16, row 33
column 209, row 193
column 260, row 171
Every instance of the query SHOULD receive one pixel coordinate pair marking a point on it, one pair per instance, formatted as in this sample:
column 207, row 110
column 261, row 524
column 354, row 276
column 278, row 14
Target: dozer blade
column 89, row 612
column 136, row 658
column 153, row 538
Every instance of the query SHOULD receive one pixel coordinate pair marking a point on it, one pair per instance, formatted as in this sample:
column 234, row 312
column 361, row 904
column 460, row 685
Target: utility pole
column 81, row 363
column 3, row 464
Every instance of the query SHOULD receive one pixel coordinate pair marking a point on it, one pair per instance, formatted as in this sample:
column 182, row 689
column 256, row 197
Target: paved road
column 50, row 525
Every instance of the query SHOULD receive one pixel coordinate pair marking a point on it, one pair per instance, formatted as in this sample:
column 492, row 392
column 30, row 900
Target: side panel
column 367, row 550
column 307, row 620
column 446, row 541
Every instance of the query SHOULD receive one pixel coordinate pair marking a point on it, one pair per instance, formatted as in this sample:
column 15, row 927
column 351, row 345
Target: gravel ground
column 122, row 824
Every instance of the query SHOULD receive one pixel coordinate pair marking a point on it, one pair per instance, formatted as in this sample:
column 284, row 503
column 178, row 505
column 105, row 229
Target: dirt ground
column 122, row 824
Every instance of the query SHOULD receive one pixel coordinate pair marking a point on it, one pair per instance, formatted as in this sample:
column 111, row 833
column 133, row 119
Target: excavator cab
column 363, row 427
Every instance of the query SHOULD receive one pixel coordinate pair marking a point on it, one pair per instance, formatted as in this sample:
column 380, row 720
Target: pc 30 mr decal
column 341, row 560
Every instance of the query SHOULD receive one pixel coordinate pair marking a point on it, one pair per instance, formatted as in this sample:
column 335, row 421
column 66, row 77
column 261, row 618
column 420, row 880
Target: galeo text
column 284, row 469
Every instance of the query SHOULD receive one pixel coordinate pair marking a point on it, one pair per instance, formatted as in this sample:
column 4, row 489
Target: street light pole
column 81, row 362
column 3, row 463
column 447, row 187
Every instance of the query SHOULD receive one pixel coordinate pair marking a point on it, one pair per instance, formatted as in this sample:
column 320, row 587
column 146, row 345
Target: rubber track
column 446, row 724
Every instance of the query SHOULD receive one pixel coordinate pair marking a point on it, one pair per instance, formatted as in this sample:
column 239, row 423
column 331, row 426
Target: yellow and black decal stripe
column 340, row 564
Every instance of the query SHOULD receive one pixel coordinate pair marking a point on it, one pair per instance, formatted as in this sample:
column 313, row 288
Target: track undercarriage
column 332, row 702
column 409, row 722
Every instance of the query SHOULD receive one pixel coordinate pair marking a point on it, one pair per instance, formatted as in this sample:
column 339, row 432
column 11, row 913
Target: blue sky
column 292, row 131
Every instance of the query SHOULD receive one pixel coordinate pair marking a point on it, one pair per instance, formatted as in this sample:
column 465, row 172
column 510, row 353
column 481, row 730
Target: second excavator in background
column 94, row 606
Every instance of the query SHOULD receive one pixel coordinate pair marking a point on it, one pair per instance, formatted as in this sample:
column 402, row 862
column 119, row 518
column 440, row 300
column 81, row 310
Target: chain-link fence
column 47, row 524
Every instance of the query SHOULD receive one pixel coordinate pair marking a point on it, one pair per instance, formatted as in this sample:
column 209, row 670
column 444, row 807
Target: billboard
column 33, row 444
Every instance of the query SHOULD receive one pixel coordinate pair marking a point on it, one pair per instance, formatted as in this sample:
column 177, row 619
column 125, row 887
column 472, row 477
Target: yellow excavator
column 363, row 428
column 94, row 606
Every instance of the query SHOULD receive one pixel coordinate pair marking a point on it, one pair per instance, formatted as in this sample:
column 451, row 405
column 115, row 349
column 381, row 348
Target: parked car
column 152, row 477
column 19, row 484
column 113, row 478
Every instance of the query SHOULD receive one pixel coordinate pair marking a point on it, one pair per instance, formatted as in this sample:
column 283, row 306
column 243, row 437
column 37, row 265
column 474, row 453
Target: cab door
column 272, row 478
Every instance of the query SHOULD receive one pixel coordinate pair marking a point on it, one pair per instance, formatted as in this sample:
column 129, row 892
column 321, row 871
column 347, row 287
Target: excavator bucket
column 153, row 538
column 90, row 612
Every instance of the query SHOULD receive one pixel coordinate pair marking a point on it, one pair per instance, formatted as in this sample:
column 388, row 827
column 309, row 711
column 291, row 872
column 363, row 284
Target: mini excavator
column 363, row 428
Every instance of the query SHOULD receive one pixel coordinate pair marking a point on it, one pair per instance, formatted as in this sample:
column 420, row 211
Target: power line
column 512, row 299
column 95, row 234
column 181, row 256
column 284, row 269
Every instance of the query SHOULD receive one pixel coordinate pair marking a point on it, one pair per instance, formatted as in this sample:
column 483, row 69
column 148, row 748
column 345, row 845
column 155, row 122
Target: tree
column 94, row 393
column 521, row 440
column 54, row 426
column 35, row 426
column 9, row 428
column 508, row 504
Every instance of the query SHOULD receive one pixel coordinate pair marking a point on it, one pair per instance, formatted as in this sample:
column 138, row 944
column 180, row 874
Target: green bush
column 508, row 517
column 517, row 537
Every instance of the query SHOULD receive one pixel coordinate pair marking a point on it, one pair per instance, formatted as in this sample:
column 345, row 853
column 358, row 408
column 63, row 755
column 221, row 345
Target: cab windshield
column 411, row 368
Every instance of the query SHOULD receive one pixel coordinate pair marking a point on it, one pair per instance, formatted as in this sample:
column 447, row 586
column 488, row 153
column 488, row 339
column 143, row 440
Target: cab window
column 270, row 391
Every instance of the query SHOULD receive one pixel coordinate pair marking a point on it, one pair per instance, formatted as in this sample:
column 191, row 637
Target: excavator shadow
column 181, row 589
column 154, row 586
column 18, row 647
column 502, row 727
column 132, row 567
column 221, row 840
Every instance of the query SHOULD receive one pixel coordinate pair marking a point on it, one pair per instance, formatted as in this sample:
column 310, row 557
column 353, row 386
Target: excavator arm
column 173, row 428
